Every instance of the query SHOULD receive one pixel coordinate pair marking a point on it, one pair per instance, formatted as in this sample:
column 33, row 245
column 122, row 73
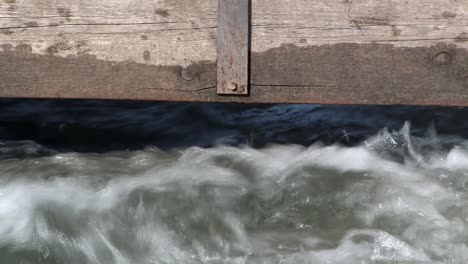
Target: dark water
column 100, row 126
column 146, row 182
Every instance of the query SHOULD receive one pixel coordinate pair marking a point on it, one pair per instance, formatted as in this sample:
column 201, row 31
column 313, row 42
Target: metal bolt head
column 442, row 58
column 233, row 87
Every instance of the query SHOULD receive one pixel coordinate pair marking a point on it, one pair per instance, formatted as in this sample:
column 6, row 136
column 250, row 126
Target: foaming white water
column 394, row 199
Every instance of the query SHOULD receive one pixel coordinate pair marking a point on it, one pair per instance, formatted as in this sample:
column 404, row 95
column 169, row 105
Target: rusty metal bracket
column 233, row 47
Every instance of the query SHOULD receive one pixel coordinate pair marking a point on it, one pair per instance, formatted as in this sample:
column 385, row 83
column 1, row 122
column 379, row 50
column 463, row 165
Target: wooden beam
column 324, row 51
column 233, row 47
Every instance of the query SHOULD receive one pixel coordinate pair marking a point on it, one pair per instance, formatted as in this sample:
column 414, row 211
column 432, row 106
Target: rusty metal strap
column 233, row 47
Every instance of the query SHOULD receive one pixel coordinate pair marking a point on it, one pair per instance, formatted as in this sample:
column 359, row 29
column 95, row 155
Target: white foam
column 281, row 204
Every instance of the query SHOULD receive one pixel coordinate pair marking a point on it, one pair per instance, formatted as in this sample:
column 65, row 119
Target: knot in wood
column 442, row 58
column 189, row 73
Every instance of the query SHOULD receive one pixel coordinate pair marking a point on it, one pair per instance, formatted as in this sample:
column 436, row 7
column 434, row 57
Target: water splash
column 396, row 198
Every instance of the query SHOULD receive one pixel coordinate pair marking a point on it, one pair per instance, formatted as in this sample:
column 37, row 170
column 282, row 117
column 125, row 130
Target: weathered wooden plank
column 323, row 51
column 398, row 22
column 148, row 32
column 233, row 47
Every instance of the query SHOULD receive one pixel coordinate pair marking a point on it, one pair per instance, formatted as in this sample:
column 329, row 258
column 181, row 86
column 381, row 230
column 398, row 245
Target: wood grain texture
column 322, row 51
column 150, row 32
column 402, row 23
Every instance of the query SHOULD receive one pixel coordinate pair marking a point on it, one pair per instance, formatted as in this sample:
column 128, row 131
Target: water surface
column 107, row 182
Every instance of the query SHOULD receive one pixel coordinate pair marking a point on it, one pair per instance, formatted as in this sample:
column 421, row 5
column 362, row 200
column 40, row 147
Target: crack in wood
column 110, row 24
column 348, row 3
column 181, row 90
column 295, row 85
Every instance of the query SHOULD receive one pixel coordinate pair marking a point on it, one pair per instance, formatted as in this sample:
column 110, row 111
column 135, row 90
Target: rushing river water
column 106, row 182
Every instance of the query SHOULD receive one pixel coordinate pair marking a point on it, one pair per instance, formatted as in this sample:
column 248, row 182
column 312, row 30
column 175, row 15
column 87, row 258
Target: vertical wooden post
column 233, row 47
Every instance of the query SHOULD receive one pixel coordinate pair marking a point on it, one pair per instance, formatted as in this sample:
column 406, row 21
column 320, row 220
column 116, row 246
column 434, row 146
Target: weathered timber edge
column 331, row 52
column 360, row 74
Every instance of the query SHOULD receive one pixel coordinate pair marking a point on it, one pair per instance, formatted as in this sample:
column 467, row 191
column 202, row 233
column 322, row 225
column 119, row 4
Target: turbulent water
column 246, row 193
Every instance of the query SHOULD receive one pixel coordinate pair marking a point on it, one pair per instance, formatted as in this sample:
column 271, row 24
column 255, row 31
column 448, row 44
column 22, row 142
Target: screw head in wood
column 233, row 87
